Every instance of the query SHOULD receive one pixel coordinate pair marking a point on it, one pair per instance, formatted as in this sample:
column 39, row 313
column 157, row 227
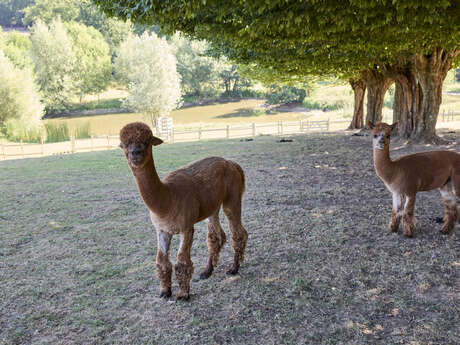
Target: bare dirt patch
column 77, row 253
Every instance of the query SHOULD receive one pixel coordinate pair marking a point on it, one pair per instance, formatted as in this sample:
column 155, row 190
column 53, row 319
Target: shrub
column 20, row 108
column 57, row 132
column 285, row 94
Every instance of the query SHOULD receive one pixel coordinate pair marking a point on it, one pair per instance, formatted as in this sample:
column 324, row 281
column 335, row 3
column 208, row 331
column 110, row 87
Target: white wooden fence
column 23, row 150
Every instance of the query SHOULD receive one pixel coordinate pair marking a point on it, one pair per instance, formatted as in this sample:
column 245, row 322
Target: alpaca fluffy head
column 381, row 133
column 136, row 140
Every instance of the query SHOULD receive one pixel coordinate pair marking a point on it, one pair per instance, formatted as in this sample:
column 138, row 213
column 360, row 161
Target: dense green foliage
column 285, row 94
column 54, row 64
column 300, row 38
column 147, row 65
column 16, row 47
column 11, row 12
column 93, row 65
column 20, row 108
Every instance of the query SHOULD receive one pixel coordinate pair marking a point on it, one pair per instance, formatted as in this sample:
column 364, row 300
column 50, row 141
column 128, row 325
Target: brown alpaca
column 423, row 171
column 184, row 197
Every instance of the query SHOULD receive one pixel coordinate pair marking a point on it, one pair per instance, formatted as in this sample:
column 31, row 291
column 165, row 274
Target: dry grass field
column 77, row 253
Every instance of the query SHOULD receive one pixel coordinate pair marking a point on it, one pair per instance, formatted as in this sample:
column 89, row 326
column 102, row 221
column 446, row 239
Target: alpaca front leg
column 396, row 213
column 408, row 216
column 184, row 266
column 164, row 267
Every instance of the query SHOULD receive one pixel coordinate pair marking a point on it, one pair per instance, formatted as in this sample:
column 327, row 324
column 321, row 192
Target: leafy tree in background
column 114, row 30
column 11, row 12
column 372, row 40
column 20, row 107
column 199, row 73
column 82, row 11
column 16, row 47
column 54, row 64
column 148, row 66
column 93, row 68
column 49, row 10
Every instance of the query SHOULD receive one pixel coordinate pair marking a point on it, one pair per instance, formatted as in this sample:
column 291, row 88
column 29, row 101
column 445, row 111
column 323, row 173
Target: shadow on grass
column 245, row 112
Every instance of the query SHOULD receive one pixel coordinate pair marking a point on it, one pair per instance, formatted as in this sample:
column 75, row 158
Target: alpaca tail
column 241, row 172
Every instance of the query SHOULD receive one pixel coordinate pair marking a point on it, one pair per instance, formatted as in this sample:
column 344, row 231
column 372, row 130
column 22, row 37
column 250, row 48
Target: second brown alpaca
column 184, row 197
column 406, row 176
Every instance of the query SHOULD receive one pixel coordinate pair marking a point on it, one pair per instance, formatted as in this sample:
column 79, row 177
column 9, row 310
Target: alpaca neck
column 383, row 164
column 155, row 194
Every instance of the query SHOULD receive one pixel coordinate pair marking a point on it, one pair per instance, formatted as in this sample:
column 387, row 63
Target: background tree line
column 70, row 49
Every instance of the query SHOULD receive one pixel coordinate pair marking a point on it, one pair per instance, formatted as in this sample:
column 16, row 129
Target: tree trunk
column 407, row 96
column 431, row 70
column 377, row 85
column 359, row 89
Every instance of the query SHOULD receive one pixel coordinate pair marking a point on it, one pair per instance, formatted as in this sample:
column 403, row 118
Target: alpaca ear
column 394, row 125
column 156, row 141
column 370, row 125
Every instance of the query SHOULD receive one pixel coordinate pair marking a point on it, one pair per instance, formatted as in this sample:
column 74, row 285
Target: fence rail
column 24, row 150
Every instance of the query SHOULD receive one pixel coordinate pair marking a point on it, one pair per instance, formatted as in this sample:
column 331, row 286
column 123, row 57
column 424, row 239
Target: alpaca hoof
column 166, row 293
column 393, row 228
column 184, row 297
column 446, row 228
column 408, row 233
column 205, row 274
column 233, row 271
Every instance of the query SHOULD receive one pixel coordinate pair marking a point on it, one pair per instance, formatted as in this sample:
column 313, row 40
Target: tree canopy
column 373, row 40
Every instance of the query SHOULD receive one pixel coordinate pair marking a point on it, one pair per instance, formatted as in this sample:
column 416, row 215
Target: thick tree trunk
column 407, row 97
column 359, row 89
column 430, row 70
column 377, row 85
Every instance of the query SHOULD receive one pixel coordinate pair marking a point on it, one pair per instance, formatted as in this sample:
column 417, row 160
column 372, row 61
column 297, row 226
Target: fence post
column 300, row 126
column 108, row 142
column 328, row 121
column 253, row 129
column 92, row 144
column 281, row 127
column 42, row 146
column 3, row 151
column 443, row 115
column 172, row 135
column 72, row 143
column 22, row 149
column 228, row 131
column 199, row 133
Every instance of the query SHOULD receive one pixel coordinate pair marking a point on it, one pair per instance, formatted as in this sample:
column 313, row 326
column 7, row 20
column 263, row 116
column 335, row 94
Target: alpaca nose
column 136, row 152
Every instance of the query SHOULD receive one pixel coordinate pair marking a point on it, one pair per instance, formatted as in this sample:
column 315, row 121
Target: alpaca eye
column 375, row 135
column 388, row 137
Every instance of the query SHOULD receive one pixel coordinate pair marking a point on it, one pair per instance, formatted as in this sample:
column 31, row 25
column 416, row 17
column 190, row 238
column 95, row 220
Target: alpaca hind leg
column 184, row 265
column 239, row 235
column 164, row 267
column 450, row 207
column 216, row 240
column 408, row 216
column 397, row 212
column 456, row 190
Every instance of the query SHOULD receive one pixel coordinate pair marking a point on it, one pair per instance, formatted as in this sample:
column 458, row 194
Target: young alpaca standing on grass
column 423, row 171
column 184, row 197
